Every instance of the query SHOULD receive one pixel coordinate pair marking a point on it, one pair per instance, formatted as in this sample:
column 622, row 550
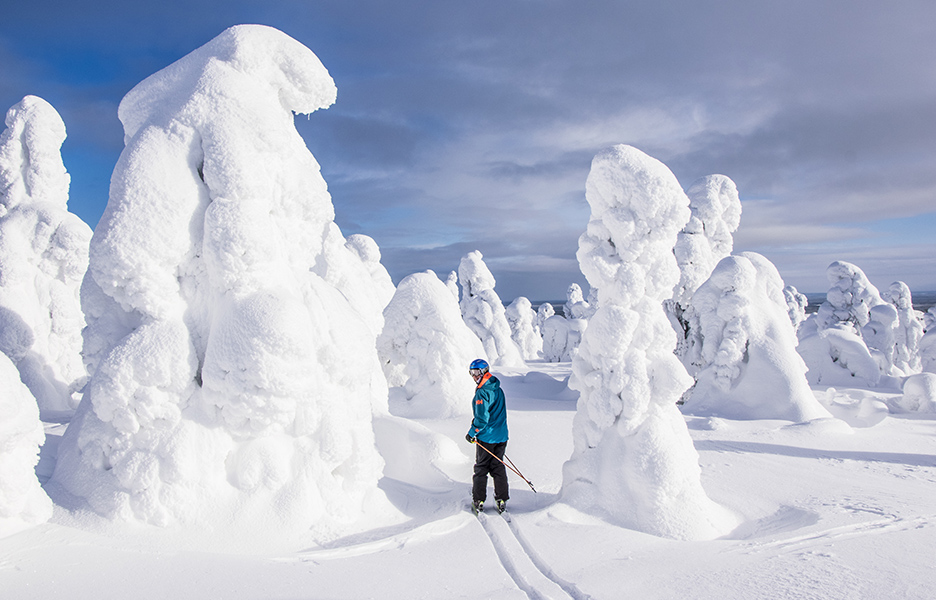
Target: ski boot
column 501, row 506
column 477, row 506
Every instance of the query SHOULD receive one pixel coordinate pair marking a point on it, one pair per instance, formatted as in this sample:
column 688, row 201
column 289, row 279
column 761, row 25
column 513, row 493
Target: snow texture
column 750, row 366
column 22, row 502
column 561, row 338
column 836, row 356
column 425, row 349
column 524, row 328
column 919, row 393
column 909, row 329
column 484, row 313
column 43, row 256
column 232, row 325
column 633, row 461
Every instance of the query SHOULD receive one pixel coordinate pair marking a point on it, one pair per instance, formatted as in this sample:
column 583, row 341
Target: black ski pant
column 484, row 464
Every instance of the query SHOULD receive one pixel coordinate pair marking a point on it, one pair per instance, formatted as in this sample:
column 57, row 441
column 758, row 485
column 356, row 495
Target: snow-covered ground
column 829, row 510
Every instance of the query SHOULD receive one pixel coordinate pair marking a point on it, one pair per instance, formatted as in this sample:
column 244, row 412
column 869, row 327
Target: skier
column 489, row 430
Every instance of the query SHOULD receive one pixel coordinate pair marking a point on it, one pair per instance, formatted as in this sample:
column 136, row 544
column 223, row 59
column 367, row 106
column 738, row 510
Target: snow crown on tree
column 43, row 256
column 234, row 344
column 484, row 312
column 633, row 460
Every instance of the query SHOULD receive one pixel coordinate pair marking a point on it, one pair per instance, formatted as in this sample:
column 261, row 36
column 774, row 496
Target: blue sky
column 471, row 125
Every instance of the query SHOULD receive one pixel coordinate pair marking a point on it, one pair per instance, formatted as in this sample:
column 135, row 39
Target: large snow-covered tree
column 231, row 324
column 633, row 461
column 43, row 256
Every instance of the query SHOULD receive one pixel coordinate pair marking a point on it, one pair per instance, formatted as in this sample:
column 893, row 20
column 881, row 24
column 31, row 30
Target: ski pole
column 511, row 466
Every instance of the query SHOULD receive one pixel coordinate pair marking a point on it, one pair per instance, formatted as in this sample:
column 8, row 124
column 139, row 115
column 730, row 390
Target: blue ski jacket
column 490, row 412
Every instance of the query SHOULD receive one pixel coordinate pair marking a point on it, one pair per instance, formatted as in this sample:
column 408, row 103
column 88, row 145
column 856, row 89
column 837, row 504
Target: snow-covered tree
column 43, row 256
column 544, row 311
column 850, row 298
column 750, row 366
column 831, row 341
column 633, row 461
column 483, row 311
column 928, row 351
column 231, row 322
column 707, row 237
column 796, row 305
column 575, row 307
column 909, row 330
column 22, row 501
column 425, row 349
column 523, row 328
column 451, row 282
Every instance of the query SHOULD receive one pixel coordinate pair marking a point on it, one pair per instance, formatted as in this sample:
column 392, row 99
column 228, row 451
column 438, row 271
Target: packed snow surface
column 633, row 462
column 43, row 256
column 231, row 327
column 828, row 512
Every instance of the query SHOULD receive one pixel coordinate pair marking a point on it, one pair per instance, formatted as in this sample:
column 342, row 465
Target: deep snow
column 829, row 511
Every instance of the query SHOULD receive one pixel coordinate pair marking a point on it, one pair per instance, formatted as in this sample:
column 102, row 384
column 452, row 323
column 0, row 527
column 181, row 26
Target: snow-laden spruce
column 928, row 351
column 831, row 341
column 232, row 325
column 704, row 240
column 575, row 307
column 425, row 349
column 909, row 329
column 43, row 256
column 707, row 237
column 524, row 328
column 483, row 311
column 633, row 462
column 544, row 311
column 22, row 502
column 796, row 305
column 750, row 368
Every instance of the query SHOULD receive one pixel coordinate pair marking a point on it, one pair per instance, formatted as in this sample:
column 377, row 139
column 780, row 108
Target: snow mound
column 837, row 356
column 231, row 324
column 633, row 461
column 919, row 393
column 43, row 257
column 750, row 366
column 928, row 351
column 22, row 502
column 425, row 349
column 484, row 312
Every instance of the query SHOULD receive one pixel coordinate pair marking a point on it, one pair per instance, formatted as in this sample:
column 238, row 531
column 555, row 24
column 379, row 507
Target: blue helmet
column 478, row 364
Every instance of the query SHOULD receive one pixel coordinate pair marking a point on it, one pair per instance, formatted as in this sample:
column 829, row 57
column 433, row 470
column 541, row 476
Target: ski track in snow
column 889, row 524
column 524, row 566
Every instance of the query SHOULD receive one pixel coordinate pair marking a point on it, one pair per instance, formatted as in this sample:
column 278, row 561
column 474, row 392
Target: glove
column 471, row 440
